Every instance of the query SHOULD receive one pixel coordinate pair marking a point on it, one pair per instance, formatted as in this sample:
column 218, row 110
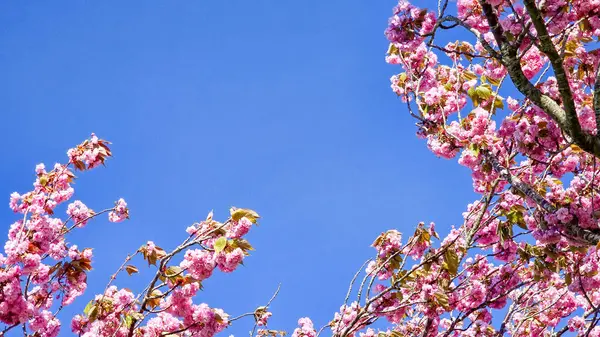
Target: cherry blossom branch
column 566, row 118
column 162, row 267
column 480, row 38
column 597, row 99
column 265, row 308
column 547, row 47
column 254, row 312
column 354, row 280
column 587, row 236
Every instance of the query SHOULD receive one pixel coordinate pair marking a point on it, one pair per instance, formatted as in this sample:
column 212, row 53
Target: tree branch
column 597, row 100
column 484, row 43
column 494, row 23
column 567, row 119
column 572, row 229
column 427, row 326
column 547, row 47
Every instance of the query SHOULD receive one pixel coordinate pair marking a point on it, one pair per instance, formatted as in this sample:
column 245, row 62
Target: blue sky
column 279, row 106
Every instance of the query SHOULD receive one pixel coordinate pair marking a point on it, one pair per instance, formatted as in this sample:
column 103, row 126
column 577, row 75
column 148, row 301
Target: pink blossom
column 262, row 319
column 239, row 228
column 200, row 263
column 228, row 262
column 120, row 212
column 305, row 329
column 79, row 212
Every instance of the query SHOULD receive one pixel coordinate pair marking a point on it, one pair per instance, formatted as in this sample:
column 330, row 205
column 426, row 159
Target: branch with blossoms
column 41, row 267
column 410, row 27
column 166, row 306
column 261, row 316
column 448, row 293
column 510, row 41
column 535, row 164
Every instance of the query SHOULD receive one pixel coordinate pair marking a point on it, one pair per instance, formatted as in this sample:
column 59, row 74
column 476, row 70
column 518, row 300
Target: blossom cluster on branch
column 41, row 272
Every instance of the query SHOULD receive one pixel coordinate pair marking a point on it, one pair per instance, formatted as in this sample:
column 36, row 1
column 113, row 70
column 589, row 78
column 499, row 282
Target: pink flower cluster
column 120, row 212
column 79, row 213
column 89, row 154
column 409, row 25
column 40, row 270
column 167, row 305
column 305, row 329
column 106, row 314
column 179, row 310
column 388, row 246
column 262, row 319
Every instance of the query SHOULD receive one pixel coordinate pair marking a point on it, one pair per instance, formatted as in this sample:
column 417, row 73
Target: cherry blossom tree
column 518, row 103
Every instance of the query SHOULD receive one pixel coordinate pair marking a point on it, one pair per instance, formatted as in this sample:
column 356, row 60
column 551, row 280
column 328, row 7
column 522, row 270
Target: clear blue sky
column 279, row 106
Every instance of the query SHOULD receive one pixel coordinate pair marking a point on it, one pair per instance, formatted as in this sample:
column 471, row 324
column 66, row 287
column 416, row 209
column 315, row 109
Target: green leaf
column 504, row 231
column 483, row 92
column 499, row 103
column 516, row 217
column 468, row 75
column 238, row 213
column 173, row 271
column 471, row 92
column 475, row 149
column 423, row 235
column 493, row 81
column 240, row 243
column 509, row 36
column 392, row 50
column 451, row 261
column 128, row 321
column 93, row 314
column 88, row 307
column 220, row 244
column 443, row 300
